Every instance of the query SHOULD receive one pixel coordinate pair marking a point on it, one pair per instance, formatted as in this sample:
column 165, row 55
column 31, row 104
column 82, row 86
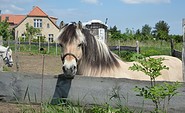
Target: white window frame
column 38, row 23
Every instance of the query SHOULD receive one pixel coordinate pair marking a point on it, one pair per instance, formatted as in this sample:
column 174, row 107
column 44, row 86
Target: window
column 50, row 39
column 38, row 23
column 48, row 25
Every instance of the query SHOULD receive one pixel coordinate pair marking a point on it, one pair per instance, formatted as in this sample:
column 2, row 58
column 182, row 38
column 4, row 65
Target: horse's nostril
column 63, row 68
column 73, row 67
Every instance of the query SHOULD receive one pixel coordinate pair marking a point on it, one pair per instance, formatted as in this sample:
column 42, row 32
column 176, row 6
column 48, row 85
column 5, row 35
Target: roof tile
column 37, row 12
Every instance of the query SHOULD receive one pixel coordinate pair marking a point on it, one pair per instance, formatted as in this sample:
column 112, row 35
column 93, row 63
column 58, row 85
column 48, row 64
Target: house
column 98, row 29
column 36, row 18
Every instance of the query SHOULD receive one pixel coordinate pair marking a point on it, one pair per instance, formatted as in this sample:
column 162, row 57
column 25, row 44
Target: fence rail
column 174, row 52
column 125, row 48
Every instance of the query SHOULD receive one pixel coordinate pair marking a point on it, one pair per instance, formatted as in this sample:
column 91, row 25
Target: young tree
column 30, row 32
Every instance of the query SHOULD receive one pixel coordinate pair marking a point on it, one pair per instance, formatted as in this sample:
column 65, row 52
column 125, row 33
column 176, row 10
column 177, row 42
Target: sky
column 132, row 14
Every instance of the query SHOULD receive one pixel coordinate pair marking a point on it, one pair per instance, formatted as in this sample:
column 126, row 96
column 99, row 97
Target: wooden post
column 183, row 50
column 1, row 40
column 48, row 45
column 56, row 45
column 39, row 44
column 16, row 54
column 172, row 47
column 1, row 58
column 137, row 46
column 119, row 49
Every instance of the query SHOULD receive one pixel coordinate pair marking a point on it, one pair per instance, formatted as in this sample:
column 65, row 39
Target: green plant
column 5, row 68
column 155, row 92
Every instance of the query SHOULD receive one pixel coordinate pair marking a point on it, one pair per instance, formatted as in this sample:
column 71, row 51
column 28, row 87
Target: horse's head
column 71, row 40
column 8, row 57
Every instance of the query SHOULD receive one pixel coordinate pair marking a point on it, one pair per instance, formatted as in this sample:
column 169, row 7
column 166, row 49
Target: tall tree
column 30, row 33
column 146, row 31
column 161, row 30
column 115, row 33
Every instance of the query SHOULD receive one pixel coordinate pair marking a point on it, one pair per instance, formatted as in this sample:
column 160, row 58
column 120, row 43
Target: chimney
column 33, row 7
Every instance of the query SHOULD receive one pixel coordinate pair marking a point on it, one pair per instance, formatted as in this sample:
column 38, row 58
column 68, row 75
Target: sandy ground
column 18, row 108
column 30, row 63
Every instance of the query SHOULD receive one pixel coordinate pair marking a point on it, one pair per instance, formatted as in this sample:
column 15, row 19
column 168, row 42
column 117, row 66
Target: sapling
column 152, row 67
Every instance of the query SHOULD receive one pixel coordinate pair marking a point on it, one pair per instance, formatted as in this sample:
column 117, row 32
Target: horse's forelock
column 68, row 34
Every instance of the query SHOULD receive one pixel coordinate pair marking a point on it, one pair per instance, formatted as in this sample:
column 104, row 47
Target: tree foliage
column 115, row 33
column 4, row 30
column 31, row 32
column 161, row 30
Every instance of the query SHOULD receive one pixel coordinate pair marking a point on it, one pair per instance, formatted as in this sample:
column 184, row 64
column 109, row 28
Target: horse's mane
column 96, row 54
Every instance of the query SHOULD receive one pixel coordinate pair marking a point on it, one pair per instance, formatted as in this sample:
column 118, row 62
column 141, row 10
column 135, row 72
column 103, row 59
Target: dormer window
column 38, row 23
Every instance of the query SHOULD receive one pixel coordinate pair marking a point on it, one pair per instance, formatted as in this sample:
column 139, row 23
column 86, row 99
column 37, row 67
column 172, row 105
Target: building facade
column 36, row 18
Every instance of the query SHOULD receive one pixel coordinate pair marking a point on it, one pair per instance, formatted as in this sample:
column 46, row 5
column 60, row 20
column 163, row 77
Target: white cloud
column 7, row 11
column 16, row 8
column 145, row 1
column 90, row 1
column 10, row 9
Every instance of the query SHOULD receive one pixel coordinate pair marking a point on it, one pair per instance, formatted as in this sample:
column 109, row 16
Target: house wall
column 44, row 30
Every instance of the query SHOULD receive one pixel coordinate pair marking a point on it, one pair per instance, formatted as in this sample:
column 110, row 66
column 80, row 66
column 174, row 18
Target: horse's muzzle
column 10, row 64
column 69, row 72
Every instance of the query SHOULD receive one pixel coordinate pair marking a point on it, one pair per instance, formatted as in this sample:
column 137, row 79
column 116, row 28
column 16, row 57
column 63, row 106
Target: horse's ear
column 79, row 25
column 61, row 24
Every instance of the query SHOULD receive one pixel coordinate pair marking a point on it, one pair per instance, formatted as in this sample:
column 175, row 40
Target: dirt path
column 18, row 108
column 30, row 63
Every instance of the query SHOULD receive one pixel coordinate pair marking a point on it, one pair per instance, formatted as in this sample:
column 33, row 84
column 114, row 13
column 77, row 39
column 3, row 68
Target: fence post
column 48, row 45
column 172, row 47
column 1, row 58
column 119, row 49
column 1, row 40
column 137, row 47
column 183, row 50
column 56, row 45
column 16, row 54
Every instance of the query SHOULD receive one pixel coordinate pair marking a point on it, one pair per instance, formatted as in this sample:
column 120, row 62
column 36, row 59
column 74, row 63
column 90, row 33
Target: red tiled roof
column 14, row 19
column 37, row 12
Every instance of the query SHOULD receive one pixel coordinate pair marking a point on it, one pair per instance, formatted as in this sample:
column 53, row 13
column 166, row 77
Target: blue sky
column 132, row 14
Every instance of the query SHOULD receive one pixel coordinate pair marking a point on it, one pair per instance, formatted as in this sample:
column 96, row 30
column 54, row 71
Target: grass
column 70, row 108
column 35, row 49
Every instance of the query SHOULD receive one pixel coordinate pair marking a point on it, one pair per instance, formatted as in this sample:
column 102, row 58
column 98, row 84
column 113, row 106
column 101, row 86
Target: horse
column 6, row 54
column 83, row 54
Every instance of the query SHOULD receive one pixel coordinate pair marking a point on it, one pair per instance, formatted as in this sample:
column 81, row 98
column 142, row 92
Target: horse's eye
column 61, row 45
column 79, row 45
